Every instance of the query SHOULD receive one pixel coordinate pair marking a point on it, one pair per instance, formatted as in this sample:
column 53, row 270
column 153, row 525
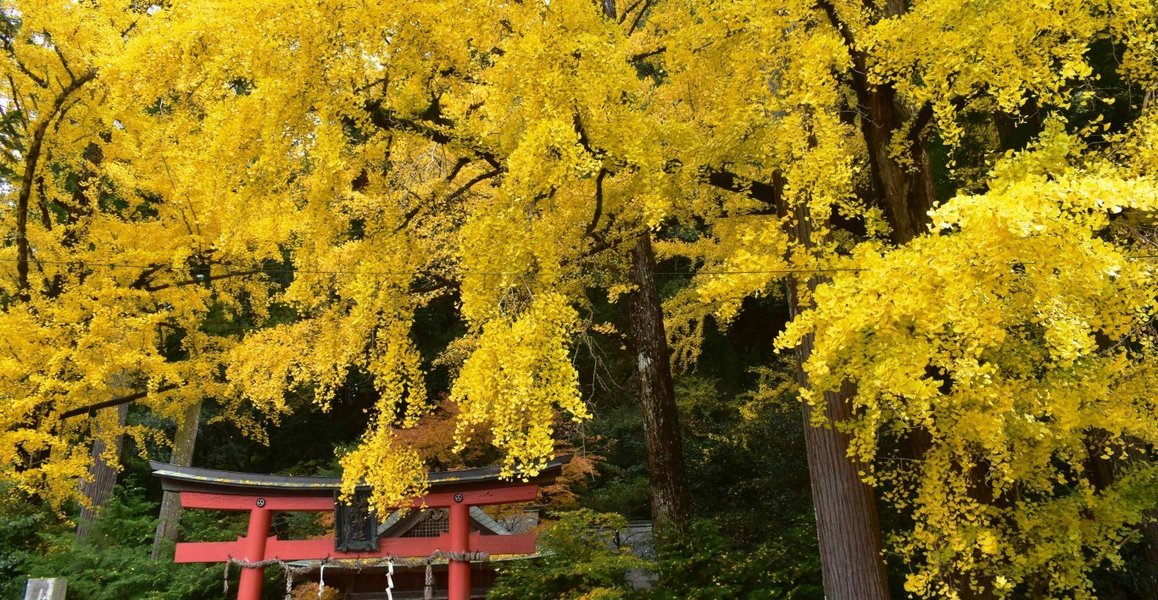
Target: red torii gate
column 262, row 495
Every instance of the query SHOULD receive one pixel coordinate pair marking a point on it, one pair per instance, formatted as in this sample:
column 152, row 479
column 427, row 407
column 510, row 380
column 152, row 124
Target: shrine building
column 442, row 546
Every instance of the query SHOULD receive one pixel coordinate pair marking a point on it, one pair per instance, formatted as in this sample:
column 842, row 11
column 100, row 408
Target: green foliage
column 617, row 436
column 703, row 563
column 754, row 537
column 579, row 562
column 21, row 525
column 113, row 562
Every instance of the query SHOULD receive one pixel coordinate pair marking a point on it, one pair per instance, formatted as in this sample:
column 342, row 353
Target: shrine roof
column 194, row 479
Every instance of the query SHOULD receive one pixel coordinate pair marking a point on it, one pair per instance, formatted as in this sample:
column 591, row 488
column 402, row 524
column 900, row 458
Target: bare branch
column 31, row 162
column 202, row 280
column 598, row 202
column 92, row 408
column 648, row 54
column 639, row 17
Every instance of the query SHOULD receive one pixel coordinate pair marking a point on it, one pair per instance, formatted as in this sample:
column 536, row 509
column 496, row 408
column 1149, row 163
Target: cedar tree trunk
column 663, row 443
column 847, row 526
column 670, row 506
column 103, row 476
column 183, row 443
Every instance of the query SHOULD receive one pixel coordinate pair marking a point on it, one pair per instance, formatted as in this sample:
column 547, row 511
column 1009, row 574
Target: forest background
column 650, row 233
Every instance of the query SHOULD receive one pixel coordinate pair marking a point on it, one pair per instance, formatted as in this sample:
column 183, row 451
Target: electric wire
column 298, row 271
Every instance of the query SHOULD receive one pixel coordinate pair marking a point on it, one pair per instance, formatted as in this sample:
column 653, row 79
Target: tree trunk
column 663, row 443
column 847, row 525
column 670, row 506
column 103, row 475
column 183, row 443
column 1103, row 472
column 906, row 192
column 1149, row 576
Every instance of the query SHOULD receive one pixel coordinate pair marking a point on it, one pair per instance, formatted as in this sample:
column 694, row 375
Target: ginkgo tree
column 907, row 71
column 517, row 156
column 105, row 264
column 1034, row 370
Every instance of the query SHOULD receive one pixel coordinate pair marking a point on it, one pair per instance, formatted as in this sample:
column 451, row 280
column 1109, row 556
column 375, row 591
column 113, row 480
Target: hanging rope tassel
column 428, row 591
column 322, row 580
column 289, row 583
column 225, row 579
column 389, row 579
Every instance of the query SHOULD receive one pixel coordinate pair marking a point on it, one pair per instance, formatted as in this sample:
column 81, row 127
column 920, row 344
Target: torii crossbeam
column 262, row 495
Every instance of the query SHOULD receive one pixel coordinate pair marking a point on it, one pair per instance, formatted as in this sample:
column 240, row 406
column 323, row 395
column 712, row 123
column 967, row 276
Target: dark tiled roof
column 194, row 479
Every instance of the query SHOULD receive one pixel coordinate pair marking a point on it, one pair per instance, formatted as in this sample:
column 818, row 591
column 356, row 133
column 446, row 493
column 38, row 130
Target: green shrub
column 23, row 527
column 701, row 563
column 113, row 561
column 578, row 562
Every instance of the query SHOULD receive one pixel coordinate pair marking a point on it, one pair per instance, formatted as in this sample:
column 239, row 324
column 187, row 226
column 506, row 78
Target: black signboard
column 355, row 525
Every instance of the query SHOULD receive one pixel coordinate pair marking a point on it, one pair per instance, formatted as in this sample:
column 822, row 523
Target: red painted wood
column 232, row 502
column 194, row 552
column 507, row 494
column 249, row 588
column 258, row 544
column 324, row 548
column 458, row 586
column 324, row 502
column 503, row 544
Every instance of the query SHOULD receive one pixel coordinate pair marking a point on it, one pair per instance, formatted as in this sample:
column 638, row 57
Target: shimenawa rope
column 388, row 562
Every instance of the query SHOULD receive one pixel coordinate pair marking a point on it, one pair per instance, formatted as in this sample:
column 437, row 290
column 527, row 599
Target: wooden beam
column 271, row 502
column 508, row 494
column 194, row 552
column 254, row 545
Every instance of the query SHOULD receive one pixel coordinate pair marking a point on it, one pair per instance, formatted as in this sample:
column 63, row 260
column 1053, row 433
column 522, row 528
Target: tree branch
column 142, row 280
column 917, row 127
column 627, row 11
column 32, row 159
column 650, row 53
column 414, row 212
column 598, row 202
column 27, row 73
column 609, row 9
column 639, row 17
column 474, row 180
column 859, row 68
column 16, row 101
column 833, row 18
column 92, row 408
column 768, row 193
column 458, row 165
column 164, row 286
column 386, row 119
column 63, row 62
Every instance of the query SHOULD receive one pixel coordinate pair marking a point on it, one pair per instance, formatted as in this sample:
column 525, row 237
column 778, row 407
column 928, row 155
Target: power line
column 297, row 271
column 293, row 271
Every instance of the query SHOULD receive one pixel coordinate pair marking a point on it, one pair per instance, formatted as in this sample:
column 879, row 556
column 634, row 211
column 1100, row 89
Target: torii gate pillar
column 458, row 584
column 262, row 495
column 249, row 587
